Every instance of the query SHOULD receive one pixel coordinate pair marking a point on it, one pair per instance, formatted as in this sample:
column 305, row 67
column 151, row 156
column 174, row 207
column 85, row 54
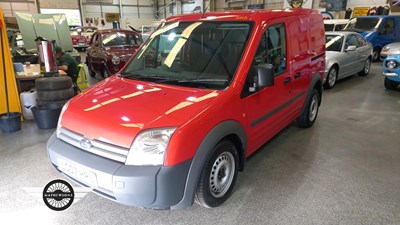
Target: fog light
column 119, row 184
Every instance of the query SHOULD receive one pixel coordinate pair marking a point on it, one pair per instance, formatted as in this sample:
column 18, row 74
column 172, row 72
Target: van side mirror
column 351, row 48
column 265, row 77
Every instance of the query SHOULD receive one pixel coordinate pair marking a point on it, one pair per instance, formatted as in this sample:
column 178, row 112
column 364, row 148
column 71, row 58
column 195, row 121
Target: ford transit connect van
column 177, row 123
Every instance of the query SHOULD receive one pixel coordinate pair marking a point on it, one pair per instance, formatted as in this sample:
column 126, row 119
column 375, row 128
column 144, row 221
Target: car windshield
column 363, row 24
column 329, row 27
column 120, row 38
column 334, row 42
column 194, row 54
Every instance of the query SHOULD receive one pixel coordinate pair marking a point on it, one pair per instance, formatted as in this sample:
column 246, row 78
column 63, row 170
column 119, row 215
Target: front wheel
column 389, row 84
column 104, row 73
column 218, row 175
column 309, row 115
column 365, row 70
column 331, row 78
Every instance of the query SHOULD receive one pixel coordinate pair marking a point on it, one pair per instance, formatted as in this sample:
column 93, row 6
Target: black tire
column 390, row 85
column 376, row 54
column 57, row 95
column 104, row 73
column 331, row 78
column 51, row 104
column 53, row 83
column 309, row 115
column 90, row 71
column 218, row 176
column 366, row 69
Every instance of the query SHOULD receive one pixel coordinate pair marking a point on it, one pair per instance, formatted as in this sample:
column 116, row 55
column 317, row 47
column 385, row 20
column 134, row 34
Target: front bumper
column 390, row 74
column 157, row 187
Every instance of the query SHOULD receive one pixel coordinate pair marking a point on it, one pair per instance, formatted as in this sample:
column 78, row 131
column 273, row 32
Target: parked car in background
column 389, row 50
column 335, row 24
column 79, row 41
column 88, row 33
column 347, row 53
column 379, row 30
column 391, row 71
column 49, row 26
column 110, row 49
column 18, row 50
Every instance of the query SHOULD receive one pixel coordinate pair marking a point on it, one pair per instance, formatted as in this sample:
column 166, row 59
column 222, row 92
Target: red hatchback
column 110, row 49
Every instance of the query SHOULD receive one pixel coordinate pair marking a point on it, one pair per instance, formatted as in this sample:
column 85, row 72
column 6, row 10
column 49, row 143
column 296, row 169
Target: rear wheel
column 390, row 85
column 331, row 78
column 91, row 72
column 309, row 115
column 376, row 54
column 366, row 68
column 218, row 176
column 104, row 73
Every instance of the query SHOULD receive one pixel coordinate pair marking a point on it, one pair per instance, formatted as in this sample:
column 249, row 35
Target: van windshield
column 202, row 54
column 363, row 24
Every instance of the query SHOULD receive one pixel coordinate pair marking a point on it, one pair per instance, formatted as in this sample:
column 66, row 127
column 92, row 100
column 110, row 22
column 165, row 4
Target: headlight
column 391, row 64
column 149, row 147
column 386, row 48
column 115, row 60
column 60, row 118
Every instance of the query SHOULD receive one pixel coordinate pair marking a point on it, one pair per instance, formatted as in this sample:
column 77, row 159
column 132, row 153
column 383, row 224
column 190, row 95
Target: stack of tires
column 52, row 94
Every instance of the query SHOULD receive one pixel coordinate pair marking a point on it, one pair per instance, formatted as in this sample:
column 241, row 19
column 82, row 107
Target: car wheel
column 331, row 78
column 104, row 73
column 367, row 67
column 309, row 115
column 376, row 54
column 56, row 95
column 53, row 83
column 91, row 72
column 390, row 85
column 218, row 175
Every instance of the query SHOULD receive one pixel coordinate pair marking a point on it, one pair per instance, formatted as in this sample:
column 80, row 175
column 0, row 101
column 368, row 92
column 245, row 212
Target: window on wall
column 73, row 15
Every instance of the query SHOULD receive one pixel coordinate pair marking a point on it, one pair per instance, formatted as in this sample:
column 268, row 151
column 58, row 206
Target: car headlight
column 149, row 147
column 386, row 48
column 391, row 64
column 64, row 108
column 115, row 60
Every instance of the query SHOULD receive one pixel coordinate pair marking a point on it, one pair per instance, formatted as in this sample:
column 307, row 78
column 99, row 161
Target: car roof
column 115, row 30
column 336, row 21
column 242, row 15
column 343, row 33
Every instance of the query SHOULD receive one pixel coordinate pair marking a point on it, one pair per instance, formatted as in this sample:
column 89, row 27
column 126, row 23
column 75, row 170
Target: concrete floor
column 343, row 170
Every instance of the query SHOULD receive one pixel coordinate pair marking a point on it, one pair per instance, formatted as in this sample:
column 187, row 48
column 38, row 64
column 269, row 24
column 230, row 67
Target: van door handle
column 297, row 75
column 287, row 80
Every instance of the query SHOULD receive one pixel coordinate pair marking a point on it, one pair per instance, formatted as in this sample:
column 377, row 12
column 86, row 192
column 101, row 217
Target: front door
column 267, row 108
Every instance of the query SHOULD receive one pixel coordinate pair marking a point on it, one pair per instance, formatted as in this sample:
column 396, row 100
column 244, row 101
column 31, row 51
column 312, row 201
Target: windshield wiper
column 202, row 80
column 147, row 77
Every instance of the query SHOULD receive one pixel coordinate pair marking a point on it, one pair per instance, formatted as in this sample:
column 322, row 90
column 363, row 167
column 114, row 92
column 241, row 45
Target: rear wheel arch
column 230, row 130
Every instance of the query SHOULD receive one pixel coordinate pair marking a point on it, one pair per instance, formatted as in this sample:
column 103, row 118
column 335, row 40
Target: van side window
column 271, row 50
column 276, row 47
column 388, row 27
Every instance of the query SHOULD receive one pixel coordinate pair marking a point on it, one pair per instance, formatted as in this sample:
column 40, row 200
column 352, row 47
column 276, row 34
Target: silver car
column 390, row 49
column 347, row 53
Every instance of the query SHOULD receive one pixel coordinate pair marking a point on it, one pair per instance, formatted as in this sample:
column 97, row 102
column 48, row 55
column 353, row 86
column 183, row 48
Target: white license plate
column 78, row 172
column 81, row 44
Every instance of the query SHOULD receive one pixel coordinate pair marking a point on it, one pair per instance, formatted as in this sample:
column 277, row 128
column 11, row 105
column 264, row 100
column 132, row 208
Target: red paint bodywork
column 98, row 112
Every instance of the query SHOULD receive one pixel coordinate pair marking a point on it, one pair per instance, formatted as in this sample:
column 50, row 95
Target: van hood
column 117, row 109
column 48, row 26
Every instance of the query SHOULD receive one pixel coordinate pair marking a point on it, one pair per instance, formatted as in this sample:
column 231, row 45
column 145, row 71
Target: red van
column 203, row 93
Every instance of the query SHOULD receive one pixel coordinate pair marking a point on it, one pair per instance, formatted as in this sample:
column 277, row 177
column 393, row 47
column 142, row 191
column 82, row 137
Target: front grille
column 100, row 148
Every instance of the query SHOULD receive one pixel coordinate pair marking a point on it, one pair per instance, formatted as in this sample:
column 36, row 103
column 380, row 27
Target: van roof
column 244, row 15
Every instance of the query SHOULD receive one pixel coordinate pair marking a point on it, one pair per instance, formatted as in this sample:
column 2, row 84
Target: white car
column 335, row 24
column 347, row 53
